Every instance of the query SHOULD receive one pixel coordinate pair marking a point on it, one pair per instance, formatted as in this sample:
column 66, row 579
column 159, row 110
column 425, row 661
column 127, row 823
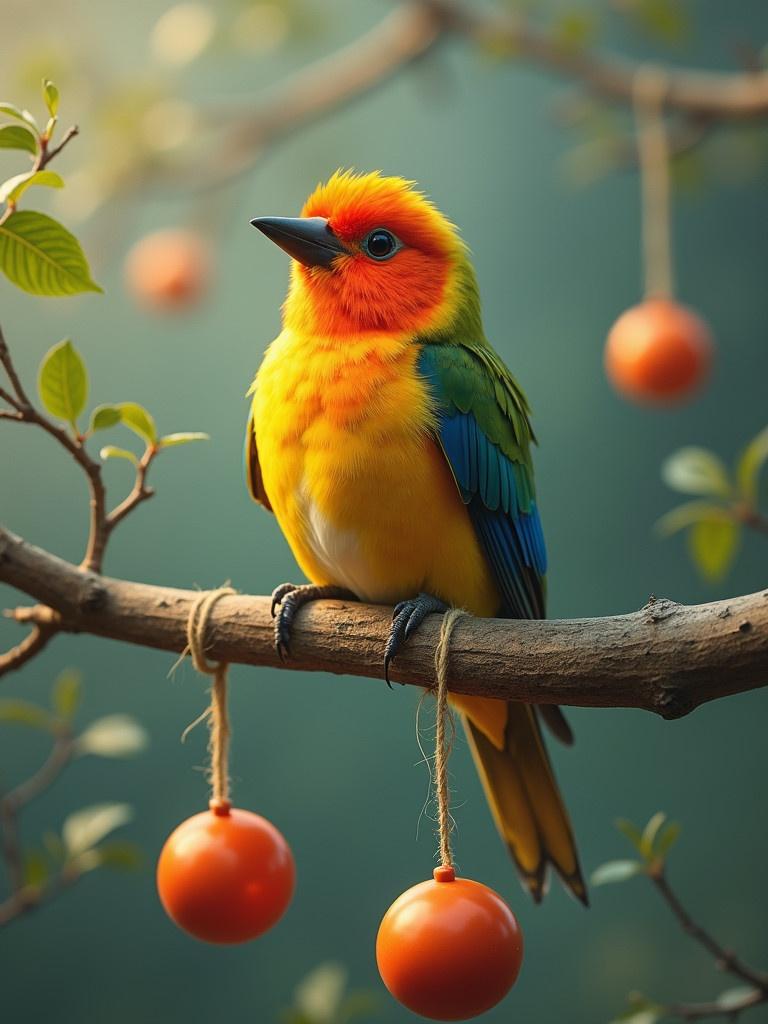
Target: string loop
column 218, row 717
column 444, row 736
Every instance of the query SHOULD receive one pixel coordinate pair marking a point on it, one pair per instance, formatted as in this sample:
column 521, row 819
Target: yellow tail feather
column 523, row 795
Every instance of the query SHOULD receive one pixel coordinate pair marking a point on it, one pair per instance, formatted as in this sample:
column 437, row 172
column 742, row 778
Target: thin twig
column 724, row 959
column 140, row 492
column 33, row 643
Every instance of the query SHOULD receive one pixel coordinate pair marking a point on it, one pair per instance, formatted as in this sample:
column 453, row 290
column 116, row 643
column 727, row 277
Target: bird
column 393, row 446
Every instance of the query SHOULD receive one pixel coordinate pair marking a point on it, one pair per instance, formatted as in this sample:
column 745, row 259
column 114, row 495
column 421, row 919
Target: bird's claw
column 288, row 598
column 407, row 616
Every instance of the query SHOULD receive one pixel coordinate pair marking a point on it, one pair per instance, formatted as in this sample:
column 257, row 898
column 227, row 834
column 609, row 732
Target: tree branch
column 666, row 658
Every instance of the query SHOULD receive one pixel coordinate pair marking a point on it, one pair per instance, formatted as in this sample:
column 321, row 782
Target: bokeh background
column 333, row 760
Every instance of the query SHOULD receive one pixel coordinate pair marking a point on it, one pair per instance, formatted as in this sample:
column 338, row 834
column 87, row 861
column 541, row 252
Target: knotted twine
column 444, row 736
column 216, row 714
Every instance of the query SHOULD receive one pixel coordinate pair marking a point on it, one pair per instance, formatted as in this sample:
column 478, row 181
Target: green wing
column 485, row 433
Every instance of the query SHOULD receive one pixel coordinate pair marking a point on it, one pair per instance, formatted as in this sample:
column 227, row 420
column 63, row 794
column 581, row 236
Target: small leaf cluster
column 37, row 253
column 322, row 997
column 63, row 386
column 726, row 500
column 79, row 847
column 652, row 843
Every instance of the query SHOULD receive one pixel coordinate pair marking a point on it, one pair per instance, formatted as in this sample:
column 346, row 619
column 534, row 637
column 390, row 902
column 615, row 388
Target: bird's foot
column 406, row 618
column 288, row 598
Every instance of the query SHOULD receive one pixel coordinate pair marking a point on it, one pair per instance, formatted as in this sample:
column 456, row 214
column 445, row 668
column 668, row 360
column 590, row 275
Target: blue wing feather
column 496, row 492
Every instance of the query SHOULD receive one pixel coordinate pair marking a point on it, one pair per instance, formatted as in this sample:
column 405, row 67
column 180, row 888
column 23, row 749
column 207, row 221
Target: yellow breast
column 361, row 491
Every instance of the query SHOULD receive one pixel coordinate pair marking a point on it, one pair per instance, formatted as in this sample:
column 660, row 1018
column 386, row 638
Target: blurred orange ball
column 169, row 270
column 225, row 875
column 449, row 949
column 658, row 352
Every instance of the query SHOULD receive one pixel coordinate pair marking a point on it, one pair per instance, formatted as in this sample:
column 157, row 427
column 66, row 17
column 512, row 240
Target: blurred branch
column 666, row 658
column 414, row 28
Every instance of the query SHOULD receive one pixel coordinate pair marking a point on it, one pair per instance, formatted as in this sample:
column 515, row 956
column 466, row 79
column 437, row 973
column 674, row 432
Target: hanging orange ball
column 169, row 270
column 449, row 949
column 225, row 875
column 658, row 352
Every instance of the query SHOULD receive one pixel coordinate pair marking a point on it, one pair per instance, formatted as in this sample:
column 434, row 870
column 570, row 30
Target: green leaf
column 11, row 110
column 650, row 832
column 616, row 871
column 40, row 256
column 118, row 856
column 574, row 30
column 51, row 97
column 22, row 712
column 35, row 869
column 112, row 736
column 171, row 440
column 749, row 465
column 688, row 514
column 16, row 136
column 667, row 838
column 84, row 829
column 649, row 1016
column 733, row 998
column 713, row 543
column 110, row 451
column 137, row 419
column 103, row 417
column 14, row 188
column 318, row 996
column 665, row 19
column 66, row 694
column 694, row 470
column 631, row 831
column 54, row 846
column 63, row 382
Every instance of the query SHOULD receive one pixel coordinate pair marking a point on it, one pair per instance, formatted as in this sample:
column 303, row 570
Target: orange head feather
column 411, row 289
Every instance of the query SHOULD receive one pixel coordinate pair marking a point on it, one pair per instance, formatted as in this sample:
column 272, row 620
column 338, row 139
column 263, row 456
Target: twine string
column 217, row 715
column 445, row 731
column 650, row 90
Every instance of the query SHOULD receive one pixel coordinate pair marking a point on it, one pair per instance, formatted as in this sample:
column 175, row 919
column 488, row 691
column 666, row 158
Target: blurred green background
column 334, row 761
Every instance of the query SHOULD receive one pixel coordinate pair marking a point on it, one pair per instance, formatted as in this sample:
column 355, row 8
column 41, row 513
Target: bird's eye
column 380, row 244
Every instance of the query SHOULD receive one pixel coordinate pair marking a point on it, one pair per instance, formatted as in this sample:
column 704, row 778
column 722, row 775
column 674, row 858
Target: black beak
column 309, row 240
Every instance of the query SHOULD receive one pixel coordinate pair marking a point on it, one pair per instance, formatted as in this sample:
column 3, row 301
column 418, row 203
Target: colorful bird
column 393, row 446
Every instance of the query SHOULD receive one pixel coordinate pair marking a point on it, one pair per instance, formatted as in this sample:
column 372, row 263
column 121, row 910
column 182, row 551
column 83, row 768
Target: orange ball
column 169, row 270
column 449, row 949
column 658, row 352
column 225, row 875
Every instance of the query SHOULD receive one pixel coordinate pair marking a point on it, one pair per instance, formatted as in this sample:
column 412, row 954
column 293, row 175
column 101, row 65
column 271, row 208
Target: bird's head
column 371, row 253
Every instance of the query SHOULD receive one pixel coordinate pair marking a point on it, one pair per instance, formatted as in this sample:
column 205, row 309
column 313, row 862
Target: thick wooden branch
column 666, row 658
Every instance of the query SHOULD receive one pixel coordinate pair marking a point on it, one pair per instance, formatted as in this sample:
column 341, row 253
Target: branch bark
column 666, row 658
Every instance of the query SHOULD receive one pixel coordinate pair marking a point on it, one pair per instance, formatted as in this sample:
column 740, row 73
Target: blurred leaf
column 14, row 188
column 63, row 382
column 631, row 831
column 650, row 832
column 137, row 419
column 110, row 451
column 749, row 465
column 51, row 97
column 318, row 996
column 666, row 20
column 648, row 1016
column 66, row 694
column 695, row 470
column 11, row 110
column 732, row 998
column 616, row 871
column 35, row 869
column 22, row 712
column 713, row 543
column 103, row 417
column 16, row 136
column 688, row 514
column 119, row 856
column 112, row 736
column 356, row 1005
column 667, row 838
column 40, row 256
column 171, row 440
column 84, row 829
column 54, row 845
column 574, row 30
